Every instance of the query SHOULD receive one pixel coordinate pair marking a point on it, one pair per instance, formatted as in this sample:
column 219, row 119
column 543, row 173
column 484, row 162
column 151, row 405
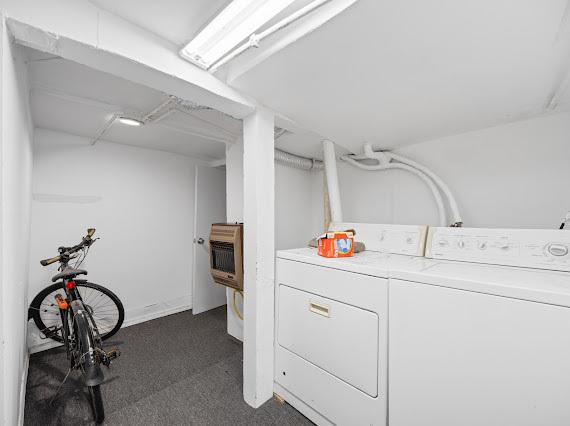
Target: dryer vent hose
column 234, row 304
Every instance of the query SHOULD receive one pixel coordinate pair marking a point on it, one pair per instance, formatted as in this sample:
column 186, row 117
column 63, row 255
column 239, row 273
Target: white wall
column 298, row 206
column 15, row 196
column 142, row 203
column 514, row 175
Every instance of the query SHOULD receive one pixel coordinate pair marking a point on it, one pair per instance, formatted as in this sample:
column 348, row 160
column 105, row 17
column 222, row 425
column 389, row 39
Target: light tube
column 233, row 25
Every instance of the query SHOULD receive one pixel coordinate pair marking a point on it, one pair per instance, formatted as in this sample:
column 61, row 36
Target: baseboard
column 23, row 383
column 132, row 316
column 157, row 310
column 300, row 406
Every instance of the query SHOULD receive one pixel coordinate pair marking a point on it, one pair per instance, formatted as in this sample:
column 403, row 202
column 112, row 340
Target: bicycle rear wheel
column 103, row 305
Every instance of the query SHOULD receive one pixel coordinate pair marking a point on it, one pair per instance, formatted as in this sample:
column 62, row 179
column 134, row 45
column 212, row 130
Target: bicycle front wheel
column 103, row 305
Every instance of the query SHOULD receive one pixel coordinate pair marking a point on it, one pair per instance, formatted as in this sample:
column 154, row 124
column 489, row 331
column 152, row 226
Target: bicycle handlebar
column 86, row 241
column 47, row 262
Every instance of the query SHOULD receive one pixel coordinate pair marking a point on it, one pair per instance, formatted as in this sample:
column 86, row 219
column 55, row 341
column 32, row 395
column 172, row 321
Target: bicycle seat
column 68, row 273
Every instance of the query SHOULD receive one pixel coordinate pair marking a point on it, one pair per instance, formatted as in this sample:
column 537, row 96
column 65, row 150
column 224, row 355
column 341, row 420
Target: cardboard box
column 336, row 244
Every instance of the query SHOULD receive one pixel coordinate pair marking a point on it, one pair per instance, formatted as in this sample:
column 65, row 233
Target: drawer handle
column 319, row 309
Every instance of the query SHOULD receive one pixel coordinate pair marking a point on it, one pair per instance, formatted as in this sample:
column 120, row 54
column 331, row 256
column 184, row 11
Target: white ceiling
column 387, row 72
column 72, row 98
column 177, row 21
column 174, row 20
column 398, row 72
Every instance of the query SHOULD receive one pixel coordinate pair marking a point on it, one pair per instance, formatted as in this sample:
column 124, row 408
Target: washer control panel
column 398, row 239
column 532, row 248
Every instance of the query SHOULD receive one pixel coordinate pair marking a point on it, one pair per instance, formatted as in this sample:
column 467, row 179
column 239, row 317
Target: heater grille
column 223, row 257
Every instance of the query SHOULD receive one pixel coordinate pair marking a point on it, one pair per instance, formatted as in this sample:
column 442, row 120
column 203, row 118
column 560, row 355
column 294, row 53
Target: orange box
column 336, row 244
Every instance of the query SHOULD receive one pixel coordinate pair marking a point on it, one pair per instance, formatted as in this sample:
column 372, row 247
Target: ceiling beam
column 218, row 163
column 196, row 133
column 154, row 66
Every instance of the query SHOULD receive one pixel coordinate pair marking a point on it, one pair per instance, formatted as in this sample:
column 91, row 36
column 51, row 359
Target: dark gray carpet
column 176, row 370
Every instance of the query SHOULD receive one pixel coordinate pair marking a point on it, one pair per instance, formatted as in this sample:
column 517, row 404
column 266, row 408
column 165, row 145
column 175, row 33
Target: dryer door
column 339, row 338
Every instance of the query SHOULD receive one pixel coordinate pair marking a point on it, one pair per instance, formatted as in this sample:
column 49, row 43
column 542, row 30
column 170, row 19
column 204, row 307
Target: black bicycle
column 80, row 315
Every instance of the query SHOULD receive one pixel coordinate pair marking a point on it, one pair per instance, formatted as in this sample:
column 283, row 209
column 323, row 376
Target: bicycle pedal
column 110, row 356
column 113, row 353
column 49, row 332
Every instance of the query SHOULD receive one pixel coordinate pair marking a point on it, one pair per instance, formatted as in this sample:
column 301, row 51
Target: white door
column 209, row 207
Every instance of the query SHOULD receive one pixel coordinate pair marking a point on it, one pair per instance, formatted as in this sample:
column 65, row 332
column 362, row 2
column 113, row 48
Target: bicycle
column 81, row 319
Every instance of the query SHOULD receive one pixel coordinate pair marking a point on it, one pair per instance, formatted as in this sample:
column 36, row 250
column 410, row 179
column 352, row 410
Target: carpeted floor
column 176, row 370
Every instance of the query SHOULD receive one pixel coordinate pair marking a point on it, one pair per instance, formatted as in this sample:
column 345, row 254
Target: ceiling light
column 130, row 121
column 239, row 20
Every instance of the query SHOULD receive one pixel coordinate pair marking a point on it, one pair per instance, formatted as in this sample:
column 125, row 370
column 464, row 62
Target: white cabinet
column 330, row 350
column 464, row 358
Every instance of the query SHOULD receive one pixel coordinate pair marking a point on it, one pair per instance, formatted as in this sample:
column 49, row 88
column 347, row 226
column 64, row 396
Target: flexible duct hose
column 234, row 304
column 296, row 161
column 423, row 176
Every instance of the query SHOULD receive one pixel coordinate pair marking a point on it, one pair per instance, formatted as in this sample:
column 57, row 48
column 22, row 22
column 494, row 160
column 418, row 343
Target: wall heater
column 226, row 254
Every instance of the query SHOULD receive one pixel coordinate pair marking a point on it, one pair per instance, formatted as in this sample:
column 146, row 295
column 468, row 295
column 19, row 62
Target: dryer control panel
column 532, row 248
column 398, row 239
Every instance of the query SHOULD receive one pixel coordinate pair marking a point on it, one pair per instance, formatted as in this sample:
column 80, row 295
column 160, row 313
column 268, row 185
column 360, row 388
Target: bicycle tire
column 97, row 403
column 88, row 361
column 39, row 305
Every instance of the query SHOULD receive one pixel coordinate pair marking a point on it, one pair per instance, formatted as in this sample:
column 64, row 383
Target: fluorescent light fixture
column 130, row 121
column 239, row 20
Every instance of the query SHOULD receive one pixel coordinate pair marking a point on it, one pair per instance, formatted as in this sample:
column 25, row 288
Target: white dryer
column 481, row 334
column 331, row 325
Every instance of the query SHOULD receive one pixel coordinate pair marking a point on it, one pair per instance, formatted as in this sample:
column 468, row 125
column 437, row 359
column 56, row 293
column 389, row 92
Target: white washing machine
column 332, row 325
column 481, row 334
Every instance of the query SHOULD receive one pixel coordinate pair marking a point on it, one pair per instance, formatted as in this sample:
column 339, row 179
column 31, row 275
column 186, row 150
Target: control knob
column 443, row 243
column 557, row 250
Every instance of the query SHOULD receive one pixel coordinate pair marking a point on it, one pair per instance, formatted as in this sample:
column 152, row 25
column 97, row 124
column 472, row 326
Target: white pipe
column 457, row 220
column 418, row 173
column 292, row 18
column 332, row 181
column 254, row 39
column 369, row 153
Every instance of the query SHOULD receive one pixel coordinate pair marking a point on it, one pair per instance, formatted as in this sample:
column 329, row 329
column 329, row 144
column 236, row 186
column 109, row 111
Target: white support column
column 259, row 256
